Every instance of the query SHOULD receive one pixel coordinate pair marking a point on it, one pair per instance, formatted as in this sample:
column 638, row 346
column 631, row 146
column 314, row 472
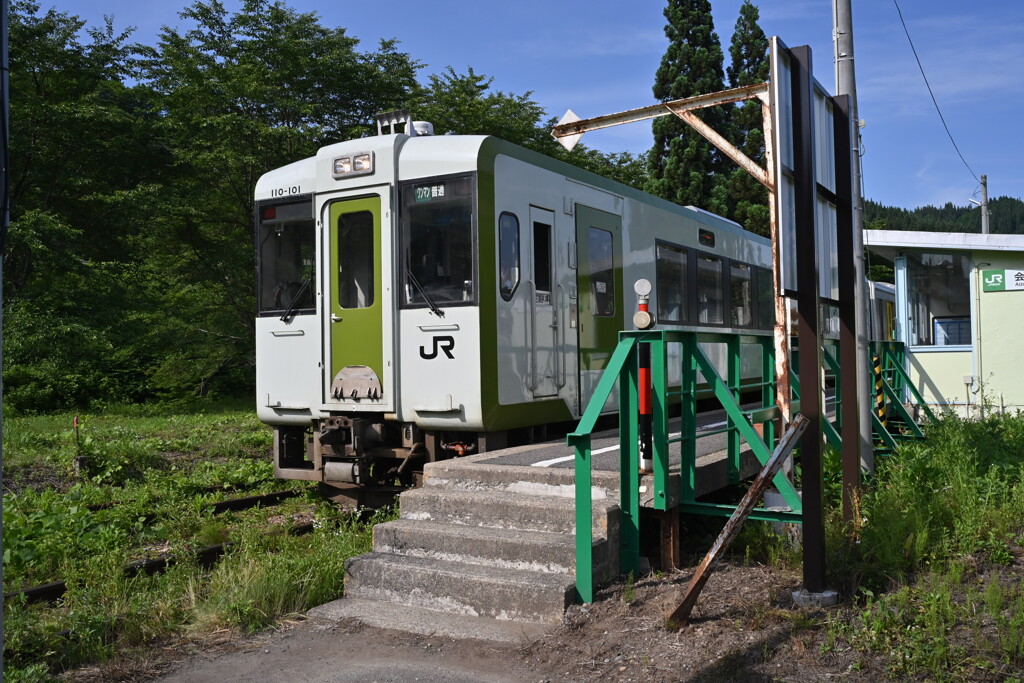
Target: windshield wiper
column 295, row 299
column 433, row 307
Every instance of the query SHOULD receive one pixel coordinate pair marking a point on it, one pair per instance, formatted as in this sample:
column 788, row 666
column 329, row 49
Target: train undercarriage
column 352, row 457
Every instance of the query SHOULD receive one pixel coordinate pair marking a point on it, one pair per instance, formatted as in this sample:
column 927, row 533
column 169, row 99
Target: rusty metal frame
column 801, row 93
column 569, row 131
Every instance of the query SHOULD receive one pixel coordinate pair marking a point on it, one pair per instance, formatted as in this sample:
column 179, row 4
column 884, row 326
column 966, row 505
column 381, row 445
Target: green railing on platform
column 622, row 368
column 895, row 386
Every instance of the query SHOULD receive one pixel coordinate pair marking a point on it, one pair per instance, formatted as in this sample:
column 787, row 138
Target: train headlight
column 362, row 163
column 353, row 165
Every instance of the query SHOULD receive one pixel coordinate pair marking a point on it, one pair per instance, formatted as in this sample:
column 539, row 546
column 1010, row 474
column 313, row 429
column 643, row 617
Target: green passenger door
column 357, row 300
column 599, row 278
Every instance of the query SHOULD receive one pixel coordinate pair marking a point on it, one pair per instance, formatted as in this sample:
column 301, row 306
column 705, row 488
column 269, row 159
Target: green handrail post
column 584, row 515
column 659, row 381
column 688, row 420
column 580, row 442
column 629, row 464
column 733, row 371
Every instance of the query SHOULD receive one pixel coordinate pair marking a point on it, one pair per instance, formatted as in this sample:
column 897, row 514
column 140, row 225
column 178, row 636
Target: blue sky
column 600, row 56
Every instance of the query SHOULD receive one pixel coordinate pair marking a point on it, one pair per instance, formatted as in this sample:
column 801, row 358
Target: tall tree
column 684, row 167
column 748, row 199
column 83, row 160
column 466, row 104
column 243, row 93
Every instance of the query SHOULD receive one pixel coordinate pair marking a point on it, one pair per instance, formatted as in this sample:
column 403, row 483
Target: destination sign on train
column 426, row 193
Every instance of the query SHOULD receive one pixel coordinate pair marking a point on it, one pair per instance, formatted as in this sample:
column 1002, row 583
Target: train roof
column 424, row 156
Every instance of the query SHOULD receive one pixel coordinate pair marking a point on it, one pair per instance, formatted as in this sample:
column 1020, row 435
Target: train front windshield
column 437, row 243
column 286, row 258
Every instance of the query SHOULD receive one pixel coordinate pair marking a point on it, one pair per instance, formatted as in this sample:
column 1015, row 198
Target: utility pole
column 984, row 204
column 846, row 84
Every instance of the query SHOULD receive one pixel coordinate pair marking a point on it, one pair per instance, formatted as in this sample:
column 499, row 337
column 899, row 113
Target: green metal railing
column 894, row 383
column 622, row 368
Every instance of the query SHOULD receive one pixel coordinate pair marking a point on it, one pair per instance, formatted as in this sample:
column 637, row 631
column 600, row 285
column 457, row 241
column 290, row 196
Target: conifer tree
column 748, row 199
column 684, row 167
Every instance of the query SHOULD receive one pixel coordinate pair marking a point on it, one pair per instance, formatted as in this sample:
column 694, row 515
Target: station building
column 960, row 312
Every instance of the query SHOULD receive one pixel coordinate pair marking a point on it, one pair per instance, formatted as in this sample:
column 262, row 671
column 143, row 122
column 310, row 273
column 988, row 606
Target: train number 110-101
column 285, row 191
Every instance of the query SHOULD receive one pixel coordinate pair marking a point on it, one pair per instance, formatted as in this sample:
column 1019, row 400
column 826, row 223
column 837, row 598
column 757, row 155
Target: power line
column 928, row 85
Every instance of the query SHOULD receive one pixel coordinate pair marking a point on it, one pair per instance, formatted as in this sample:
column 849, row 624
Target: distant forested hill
column 1007, row 217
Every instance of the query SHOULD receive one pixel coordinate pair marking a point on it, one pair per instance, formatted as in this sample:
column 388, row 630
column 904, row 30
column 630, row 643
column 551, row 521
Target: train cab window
column 508, row 255
column 741, row 302
column 437, row 242
column 355, row 260
column 670, row 273
column 600, row 246
column 286, row 258
column 710, row 290
column 765, row 298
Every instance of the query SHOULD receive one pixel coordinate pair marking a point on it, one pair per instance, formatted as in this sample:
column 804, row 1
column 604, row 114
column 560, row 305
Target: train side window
column 600, row 246
column 742, row 299
column 670, row 273
column 710, row 290
column 542, row 257
column 508, row 255
column 765, row 298
column 355, row 260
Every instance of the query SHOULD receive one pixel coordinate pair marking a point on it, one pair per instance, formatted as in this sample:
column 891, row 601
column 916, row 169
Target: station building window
column 939, row 291
column 670, row 274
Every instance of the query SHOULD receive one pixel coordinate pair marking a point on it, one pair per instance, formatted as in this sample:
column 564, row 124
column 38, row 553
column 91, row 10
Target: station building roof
column 889, row 243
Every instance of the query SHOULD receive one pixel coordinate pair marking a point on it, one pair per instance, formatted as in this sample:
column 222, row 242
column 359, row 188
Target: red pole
column 646, row 408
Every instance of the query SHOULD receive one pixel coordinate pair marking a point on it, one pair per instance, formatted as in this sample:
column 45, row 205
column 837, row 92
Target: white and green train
column 425, row 296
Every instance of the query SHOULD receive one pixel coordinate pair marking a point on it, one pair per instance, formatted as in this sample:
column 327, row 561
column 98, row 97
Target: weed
column 933, row 515
column 159, row 471
column 629, row 589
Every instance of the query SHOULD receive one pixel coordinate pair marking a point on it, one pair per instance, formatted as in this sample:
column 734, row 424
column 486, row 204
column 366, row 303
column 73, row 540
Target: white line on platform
column 567, row 458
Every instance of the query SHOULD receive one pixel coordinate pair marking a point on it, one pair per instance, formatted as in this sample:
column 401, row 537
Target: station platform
column 555, row 455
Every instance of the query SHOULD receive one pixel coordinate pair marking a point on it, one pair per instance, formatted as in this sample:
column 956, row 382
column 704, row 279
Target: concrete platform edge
column 426, row 622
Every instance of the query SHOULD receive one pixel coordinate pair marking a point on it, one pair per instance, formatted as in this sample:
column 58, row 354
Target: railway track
column 205, row 557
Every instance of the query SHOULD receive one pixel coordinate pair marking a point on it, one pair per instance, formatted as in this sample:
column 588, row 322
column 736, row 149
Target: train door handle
column 335, row 318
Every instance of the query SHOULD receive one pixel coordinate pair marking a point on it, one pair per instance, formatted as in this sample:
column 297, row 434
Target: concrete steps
column 467, row 589
column 482, row 541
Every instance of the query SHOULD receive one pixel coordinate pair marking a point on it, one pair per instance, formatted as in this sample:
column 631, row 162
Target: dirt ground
column 744, row 627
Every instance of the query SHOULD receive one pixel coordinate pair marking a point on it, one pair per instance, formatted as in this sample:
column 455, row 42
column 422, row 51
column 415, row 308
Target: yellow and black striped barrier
column 880, row 410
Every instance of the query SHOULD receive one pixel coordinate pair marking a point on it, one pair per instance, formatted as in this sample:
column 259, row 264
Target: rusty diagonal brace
column 681, row 616
column 683, row 109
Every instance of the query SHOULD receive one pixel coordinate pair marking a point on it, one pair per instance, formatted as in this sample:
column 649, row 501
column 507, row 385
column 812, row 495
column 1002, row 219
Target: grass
column 161, row 471
column 933, row 560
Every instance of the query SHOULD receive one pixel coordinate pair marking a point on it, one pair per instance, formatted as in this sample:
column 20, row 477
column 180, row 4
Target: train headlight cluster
column 353, row 165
